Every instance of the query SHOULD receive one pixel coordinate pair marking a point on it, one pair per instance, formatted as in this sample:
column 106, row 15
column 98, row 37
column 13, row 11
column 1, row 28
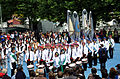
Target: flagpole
column 1, row 15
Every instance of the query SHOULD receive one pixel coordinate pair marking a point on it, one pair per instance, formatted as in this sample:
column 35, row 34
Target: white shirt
column 31, row 55
column 111, row 42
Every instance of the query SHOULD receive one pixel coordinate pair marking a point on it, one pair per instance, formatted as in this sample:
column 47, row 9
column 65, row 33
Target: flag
column 84, row 18
column 69, row 22
column 70, row 26
column 91, row 25
column 77, row 27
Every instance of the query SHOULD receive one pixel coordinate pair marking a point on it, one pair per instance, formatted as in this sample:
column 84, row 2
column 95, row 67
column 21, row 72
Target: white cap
column 41, row 66
column 72, row 65
column 50, row 67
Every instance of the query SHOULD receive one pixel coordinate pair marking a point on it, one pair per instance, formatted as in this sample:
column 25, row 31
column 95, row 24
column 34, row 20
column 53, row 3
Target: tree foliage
column 56, row 10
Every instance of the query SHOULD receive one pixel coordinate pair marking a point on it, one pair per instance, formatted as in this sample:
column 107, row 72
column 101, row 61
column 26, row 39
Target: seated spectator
column 20, row 74
column 40, row 74
column 32, row 74
column 71, row 76
column 51, row 75
column 112, row 73
column 104, row 73
column 93, row 74
column 80, row 74
column 66, row 73
column 60, row 75
column 118, row 71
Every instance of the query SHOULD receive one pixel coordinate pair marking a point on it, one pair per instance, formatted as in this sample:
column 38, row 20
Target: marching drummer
column 29, row 56
column 13, row 59
column 62, row 59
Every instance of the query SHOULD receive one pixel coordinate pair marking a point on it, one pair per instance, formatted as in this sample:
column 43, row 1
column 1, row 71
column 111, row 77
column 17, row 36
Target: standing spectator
column 20, row 74
column 104, row 32
column 109, row 32
column 116, row 35
column 101, row 33
column 104, row 73
column 93, row 74
column 112, row 73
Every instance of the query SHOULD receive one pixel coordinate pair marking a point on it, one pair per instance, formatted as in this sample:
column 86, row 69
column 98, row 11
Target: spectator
column 66, row 72
column 109, row 32
column 40, row 74
column 80, row 73
column 104, row 32
column 20, row 74
column 112, row 73
column 51, row 75
column 71, row 76
column 32, row 74
column 104, row 73
column 60, row 75
column 118, row 71
column 93, row 74
column 116, row 35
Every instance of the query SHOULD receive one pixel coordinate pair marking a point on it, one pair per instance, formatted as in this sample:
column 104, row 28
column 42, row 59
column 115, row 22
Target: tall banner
column 85, row 23
column 70, row 27
column 84, row 18
column 69, row 22
column 91, row 26
column 76, row 25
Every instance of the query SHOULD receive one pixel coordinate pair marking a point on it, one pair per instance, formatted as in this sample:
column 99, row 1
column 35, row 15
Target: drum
column 85, row 60
column 30, row 67
column 79, row 63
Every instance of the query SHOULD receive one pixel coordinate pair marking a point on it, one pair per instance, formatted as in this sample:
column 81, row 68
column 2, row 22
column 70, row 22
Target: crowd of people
column 56, row 53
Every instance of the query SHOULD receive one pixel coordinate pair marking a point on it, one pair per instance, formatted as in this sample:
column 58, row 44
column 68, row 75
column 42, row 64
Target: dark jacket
column 20, row 75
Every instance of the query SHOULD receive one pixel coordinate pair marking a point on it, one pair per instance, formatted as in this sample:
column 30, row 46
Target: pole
column 1, row 15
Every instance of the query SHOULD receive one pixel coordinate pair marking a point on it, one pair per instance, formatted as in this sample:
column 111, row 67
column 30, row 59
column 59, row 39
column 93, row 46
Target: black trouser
column 102, row 65
column 95, row 59
column 12, row 70
column 29, row 62
column 84, row 66
column 111, row 52
column 90, row 59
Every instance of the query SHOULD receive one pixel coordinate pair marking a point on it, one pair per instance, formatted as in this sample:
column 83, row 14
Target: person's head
column 56, row 54
column 20, row 68
column 88, row 41
column 66, row 72
column 104, row 38
column 104, row 73
column 118, row 66
column 60, row 74
column 112, row 73
column 13, row 50
column 32, row 73
column 51, row 75
column 70, row 71
column 94, row 70
column 40, row 72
